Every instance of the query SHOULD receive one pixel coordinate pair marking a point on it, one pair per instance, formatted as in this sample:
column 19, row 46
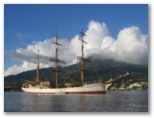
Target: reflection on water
column 113, row 101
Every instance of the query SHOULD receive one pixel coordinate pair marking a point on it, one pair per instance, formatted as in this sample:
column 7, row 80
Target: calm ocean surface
column 113, row 101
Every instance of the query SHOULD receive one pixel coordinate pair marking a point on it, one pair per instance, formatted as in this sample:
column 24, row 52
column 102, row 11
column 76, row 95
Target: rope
column 93, row 65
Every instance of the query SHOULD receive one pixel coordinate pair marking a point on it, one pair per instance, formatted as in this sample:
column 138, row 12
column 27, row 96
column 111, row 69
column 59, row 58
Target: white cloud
column 18, row 69
column 130, row 46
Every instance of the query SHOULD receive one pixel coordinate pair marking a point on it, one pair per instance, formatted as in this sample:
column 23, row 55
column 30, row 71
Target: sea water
column 112, row 101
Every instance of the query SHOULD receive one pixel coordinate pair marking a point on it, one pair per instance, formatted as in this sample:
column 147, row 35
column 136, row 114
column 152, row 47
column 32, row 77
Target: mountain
column 95, row 70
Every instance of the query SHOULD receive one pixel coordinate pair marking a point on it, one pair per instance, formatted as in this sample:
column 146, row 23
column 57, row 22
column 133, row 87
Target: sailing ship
column 44, row 87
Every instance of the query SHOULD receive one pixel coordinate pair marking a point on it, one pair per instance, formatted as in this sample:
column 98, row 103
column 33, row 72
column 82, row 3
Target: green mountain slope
column 96, row 70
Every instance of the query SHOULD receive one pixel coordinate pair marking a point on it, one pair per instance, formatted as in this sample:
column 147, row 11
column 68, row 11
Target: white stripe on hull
column 90, row 88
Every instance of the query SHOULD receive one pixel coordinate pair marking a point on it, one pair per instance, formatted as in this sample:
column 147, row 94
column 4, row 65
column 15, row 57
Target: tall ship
column 45, row 87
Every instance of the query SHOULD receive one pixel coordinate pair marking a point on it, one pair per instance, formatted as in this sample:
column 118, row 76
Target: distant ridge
column 97, row 68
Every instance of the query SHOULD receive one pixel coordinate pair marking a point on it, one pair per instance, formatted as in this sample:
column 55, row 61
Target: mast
column 82, row 57
column 37, row 70
column 56, row 59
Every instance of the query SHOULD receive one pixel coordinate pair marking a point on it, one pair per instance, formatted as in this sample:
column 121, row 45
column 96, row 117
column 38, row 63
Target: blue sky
column 37, row 22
